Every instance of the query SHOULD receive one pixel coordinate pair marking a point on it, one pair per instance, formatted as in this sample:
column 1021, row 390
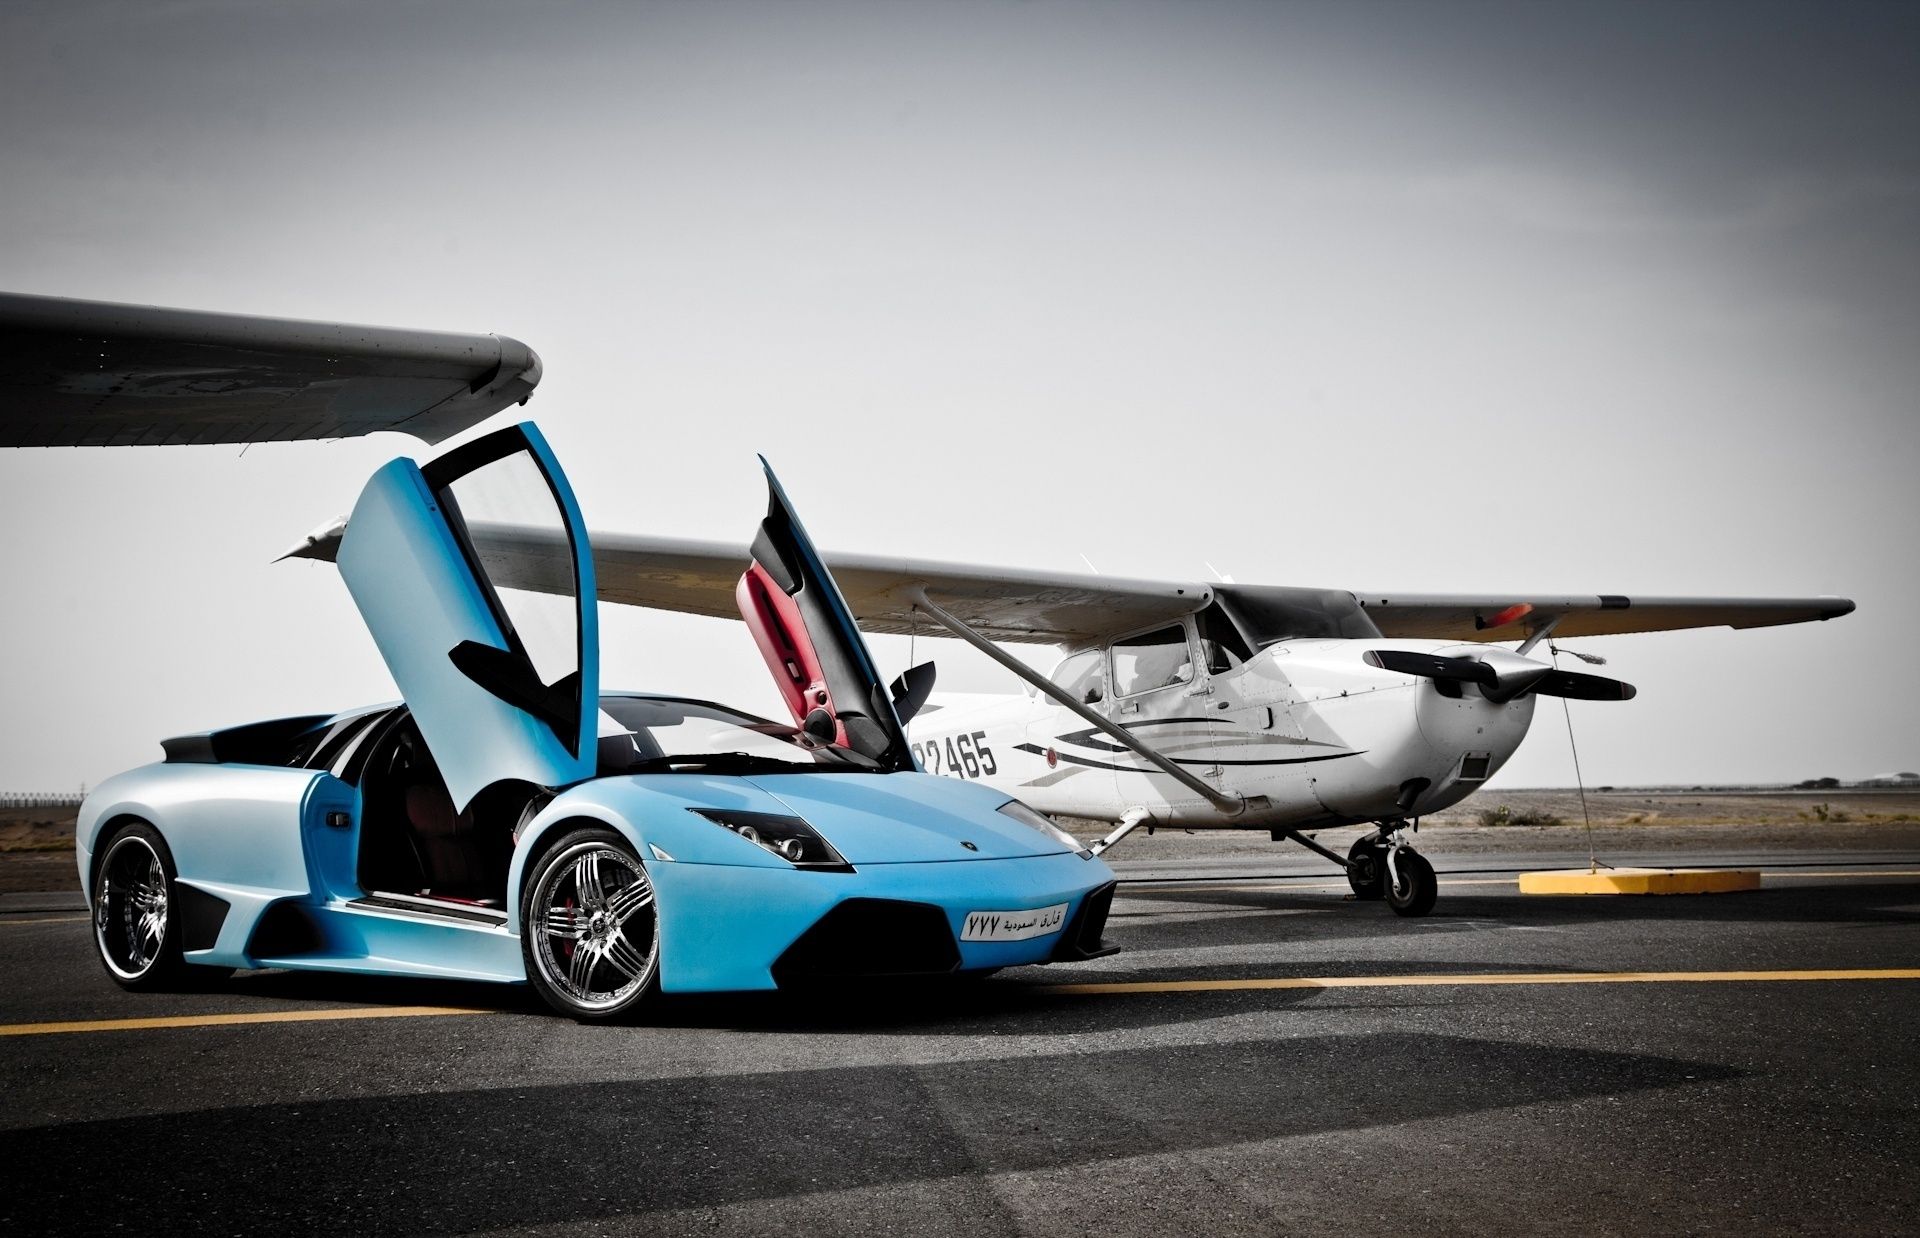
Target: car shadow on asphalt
column 439, row 1162
column 958, row 1006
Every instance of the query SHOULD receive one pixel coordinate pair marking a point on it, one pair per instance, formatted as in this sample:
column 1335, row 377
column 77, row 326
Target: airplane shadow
column 452, row 1161
column 1862, row 903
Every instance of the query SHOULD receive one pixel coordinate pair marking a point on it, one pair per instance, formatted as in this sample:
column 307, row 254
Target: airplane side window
column 1157, row 659
column 1083, row 676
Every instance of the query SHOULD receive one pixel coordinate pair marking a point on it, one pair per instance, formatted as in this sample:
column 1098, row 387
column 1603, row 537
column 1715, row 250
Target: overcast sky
column 1422, row 297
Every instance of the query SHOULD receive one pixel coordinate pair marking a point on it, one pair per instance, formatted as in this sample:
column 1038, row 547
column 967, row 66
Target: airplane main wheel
column 134, row 925
column 589, row 927
column 1414, row 893
column 1367, row 867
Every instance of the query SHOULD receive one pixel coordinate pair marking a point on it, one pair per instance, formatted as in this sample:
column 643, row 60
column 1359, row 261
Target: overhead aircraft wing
column 1063, row 608
column 95, row 374
column 1486, row 617
column 1006, row 604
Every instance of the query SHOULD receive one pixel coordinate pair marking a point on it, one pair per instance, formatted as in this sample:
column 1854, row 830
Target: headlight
column 790, row 838
column 1027, row 816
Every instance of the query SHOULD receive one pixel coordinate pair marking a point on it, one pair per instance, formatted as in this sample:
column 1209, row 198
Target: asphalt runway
column 1265, row 1057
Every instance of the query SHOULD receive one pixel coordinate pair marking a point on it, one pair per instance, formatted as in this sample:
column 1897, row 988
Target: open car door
column 504, row 684
column 805, row 631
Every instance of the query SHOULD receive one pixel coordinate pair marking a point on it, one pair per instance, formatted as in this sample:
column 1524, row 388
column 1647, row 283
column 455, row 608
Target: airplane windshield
column 642, row 735
column 1269, row 614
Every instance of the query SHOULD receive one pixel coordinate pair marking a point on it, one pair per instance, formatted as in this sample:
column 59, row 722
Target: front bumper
column 739, row 928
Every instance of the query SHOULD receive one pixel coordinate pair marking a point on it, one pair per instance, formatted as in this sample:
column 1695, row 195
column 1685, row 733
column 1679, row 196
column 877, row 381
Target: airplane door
column 504, row 684
column 1081, row 761
column 1161, row 694
column 806, row 633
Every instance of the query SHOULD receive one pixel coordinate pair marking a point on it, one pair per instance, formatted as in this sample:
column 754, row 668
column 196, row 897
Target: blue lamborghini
column 509, row 821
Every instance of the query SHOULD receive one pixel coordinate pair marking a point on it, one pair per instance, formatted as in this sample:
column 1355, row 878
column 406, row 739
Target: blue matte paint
column 381, row 943
column 728, row 908
column 908, row 818
column 420, row 599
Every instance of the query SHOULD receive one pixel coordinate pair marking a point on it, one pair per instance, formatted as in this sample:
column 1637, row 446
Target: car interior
column 413, row 842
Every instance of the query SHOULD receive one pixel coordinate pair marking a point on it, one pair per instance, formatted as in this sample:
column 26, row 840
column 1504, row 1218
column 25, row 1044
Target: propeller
column 1579, row 686
column 1502, row 675
column 1432, row 666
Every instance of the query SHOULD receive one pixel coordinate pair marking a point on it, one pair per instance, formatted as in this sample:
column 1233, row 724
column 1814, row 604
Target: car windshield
column 651, row 735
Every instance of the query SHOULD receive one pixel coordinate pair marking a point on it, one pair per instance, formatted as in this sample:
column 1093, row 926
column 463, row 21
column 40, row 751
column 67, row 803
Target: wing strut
column 1232, row 805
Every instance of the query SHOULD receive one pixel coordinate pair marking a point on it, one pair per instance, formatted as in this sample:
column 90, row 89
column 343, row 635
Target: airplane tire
column 1417, row 888
column 1367, row 873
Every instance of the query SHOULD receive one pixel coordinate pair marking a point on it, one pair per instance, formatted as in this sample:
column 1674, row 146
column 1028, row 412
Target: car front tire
column 590, row 927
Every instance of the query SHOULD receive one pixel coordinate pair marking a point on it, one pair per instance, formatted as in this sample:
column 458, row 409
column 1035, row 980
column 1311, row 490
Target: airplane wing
column 1482, row 617
column 92, row 373
column 1063, row 608
column 1006, row 604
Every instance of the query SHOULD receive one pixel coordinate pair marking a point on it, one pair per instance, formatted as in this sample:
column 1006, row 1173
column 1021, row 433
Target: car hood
column 906, row 818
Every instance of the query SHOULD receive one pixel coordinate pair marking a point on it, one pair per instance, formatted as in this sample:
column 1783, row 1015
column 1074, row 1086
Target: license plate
column 1013, row 925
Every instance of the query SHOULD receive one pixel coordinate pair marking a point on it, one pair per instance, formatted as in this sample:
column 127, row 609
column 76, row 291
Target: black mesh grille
column 1083, row 938
column 871, row 937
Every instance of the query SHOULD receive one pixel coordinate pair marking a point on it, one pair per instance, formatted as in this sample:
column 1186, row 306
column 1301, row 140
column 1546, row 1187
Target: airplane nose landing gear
column 1381, row 865
column 1411, row 885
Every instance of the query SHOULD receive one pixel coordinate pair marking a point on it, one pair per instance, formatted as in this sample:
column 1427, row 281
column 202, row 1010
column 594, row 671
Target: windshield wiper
column 731, row 761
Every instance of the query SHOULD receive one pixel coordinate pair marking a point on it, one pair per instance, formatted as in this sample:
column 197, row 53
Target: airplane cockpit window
column 1270, row 613
column 1156, row 659
column 1083, row 675
column 1222, row 647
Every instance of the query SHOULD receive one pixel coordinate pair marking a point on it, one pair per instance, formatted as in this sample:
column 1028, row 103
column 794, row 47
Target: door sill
column 429, row 908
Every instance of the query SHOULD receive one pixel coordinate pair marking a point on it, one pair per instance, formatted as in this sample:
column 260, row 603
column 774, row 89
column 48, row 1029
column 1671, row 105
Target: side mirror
column 1093, row 697
column 819, row 726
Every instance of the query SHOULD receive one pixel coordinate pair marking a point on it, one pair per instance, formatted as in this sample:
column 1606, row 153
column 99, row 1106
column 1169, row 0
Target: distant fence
column 41, row 799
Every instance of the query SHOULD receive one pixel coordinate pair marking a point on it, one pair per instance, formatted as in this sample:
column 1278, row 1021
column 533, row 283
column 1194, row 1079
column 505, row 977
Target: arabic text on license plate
column 1013, row 925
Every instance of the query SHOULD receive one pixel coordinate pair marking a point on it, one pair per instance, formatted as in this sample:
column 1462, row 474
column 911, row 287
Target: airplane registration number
column 958, row 756
column 1013, row 925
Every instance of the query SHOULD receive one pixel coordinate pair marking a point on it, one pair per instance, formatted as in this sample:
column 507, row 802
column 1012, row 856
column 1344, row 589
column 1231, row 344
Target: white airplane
column 1181, row 703
column 1174, row 703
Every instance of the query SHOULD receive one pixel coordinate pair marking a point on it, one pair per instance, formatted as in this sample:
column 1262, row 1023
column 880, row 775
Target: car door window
column 1156, row 659
column 502, row 510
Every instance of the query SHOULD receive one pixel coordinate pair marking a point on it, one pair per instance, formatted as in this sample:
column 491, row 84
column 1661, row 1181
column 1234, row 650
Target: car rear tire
column 590, row 928
column 135, row 928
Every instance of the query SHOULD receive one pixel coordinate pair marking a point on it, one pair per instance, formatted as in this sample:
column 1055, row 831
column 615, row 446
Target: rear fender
column 234, row 832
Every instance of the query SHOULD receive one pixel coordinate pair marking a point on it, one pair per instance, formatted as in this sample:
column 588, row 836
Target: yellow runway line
column 1392, row 982
column 1865, row 872
column 230, row 1020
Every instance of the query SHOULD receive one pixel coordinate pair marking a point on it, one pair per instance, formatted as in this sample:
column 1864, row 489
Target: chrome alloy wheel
column 597, row 941
column 130, row 907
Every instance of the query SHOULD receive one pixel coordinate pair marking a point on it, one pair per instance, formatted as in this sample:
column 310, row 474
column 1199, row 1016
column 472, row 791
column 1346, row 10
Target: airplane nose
column 1460, row 728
